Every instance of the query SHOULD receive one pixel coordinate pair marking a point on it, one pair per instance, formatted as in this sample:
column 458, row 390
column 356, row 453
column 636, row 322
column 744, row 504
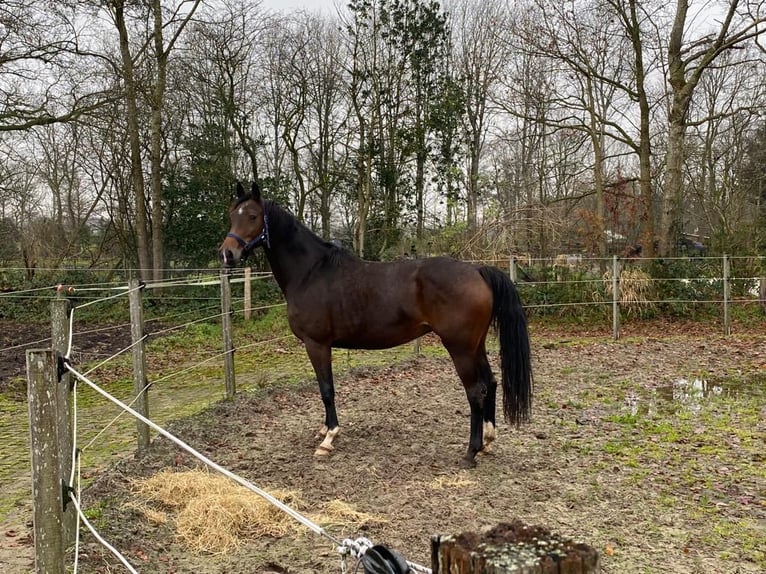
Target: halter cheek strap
column 261, row 239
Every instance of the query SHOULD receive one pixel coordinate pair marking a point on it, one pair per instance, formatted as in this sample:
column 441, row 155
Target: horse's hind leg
column 488, row 379
column 468, row 370
column 321, row 360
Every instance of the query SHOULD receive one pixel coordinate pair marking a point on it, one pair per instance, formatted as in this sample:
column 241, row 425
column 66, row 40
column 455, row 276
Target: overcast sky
column 311, row 5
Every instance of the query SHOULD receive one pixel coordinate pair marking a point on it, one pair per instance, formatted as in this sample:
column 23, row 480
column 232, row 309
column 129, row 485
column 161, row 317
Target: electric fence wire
column 76, row 468
column 76, row 486
column 24, row 345
column 169, row 376
column 171, row 317
column 115, row 355
column 123, row 350
column 190, row 323
column 344, row 547
column 202, row 458
column 109, row 297
column 100, row 538
column 14, row 294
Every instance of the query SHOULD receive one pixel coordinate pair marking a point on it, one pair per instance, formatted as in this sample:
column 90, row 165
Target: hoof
column 323, row 451
column 466, row 462
column 321, row 432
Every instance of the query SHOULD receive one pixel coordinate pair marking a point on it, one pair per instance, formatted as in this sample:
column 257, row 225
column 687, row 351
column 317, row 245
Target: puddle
column 692, row 394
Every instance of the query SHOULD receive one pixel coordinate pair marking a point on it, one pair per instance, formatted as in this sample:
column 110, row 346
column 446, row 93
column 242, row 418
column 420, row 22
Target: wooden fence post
column 512, row 272
column 726, row 296
column 512, row 548
column 615, row 297
column 248, row 294
column 139, row 360
column 60, row 311
column 228, row 345
column 47, row 486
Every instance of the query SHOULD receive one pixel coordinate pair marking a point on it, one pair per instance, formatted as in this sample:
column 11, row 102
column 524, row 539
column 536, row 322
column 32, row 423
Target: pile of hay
column 635, row 288
column 215, row 515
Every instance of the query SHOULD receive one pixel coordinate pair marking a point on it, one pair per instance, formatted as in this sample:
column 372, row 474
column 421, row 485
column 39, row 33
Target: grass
column 14, row 436
column 704, row 459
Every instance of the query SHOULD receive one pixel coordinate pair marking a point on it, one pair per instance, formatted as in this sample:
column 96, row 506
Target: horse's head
column 249, row 226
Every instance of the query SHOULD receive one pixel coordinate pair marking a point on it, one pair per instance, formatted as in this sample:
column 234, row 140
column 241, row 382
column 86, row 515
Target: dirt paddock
column 657, row 477
column 655, row 480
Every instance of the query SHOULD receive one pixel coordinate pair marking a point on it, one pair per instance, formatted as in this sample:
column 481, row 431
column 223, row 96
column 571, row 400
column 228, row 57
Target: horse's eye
column 253, row 217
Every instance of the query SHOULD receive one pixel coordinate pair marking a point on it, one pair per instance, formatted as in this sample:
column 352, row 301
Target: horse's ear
column 240, row 190
column 255, row 191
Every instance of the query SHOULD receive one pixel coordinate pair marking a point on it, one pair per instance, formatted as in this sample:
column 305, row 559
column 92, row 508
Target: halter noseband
column 262, row 239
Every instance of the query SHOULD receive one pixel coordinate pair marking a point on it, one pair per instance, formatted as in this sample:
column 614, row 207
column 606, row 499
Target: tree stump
column 512, row 548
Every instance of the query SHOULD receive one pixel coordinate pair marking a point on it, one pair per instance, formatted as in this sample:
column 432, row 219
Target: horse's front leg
column 321, row 359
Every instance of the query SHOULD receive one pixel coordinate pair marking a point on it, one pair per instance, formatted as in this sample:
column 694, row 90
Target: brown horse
column 335, row 299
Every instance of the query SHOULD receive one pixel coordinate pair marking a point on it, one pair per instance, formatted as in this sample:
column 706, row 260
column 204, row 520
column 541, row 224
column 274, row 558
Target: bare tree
column 482, row 54
column 223, row 62
column 117, row 11
column 40, row 61
column 179, row 16
column 318, row 143
column 22, row 209
column 179, row 13
column 60, row 167
column 365, row 106
column 730, row 96
column 690, row 53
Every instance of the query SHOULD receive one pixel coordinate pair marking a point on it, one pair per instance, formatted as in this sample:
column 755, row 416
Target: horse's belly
column 380, row 338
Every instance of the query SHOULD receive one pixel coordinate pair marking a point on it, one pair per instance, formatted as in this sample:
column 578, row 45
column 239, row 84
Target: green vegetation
column 698, row 452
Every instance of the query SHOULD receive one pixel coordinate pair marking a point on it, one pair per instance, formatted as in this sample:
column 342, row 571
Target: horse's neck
column 292, row 253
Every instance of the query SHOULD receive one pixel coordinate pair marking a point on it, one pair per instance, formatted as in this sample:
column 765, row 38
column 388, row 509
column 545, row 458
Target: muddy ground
column 656, row 480
column 93, row 342
column 669, row 506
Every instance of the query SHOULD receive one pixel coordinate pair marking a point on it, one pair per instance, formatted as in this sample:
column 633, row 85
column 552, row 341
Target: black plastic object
column 381, row 560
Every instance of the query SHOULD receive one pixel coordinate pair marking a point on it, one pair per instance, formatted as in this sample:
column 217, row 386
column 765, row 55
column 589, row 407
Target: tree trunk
column 512, row 548
column 157, row 101
column 420, row 170
column 363, row 181
column 363, row 202
column 472, row 199
column 597, row 138
column 692, row 58
column 136, row 168
column 673, row 193
column 644, row 140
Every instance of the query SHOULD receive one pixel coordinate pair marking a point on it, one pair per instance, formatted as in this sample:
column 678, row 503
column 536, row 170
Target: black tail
column 515, row 354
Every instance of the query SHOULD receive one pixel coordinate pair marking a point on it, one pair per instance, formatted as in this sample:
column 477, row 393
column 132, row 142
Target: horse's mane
column 279, row 218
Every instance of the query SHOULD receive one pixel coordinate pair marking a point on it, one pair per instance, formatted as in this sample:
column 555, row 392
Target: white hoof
column 323, row 451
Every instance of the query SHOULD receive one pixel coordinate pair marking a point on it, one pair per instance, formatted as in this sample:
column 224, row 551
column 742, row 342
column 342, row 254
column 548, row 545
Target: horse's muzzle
column 228, row 258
